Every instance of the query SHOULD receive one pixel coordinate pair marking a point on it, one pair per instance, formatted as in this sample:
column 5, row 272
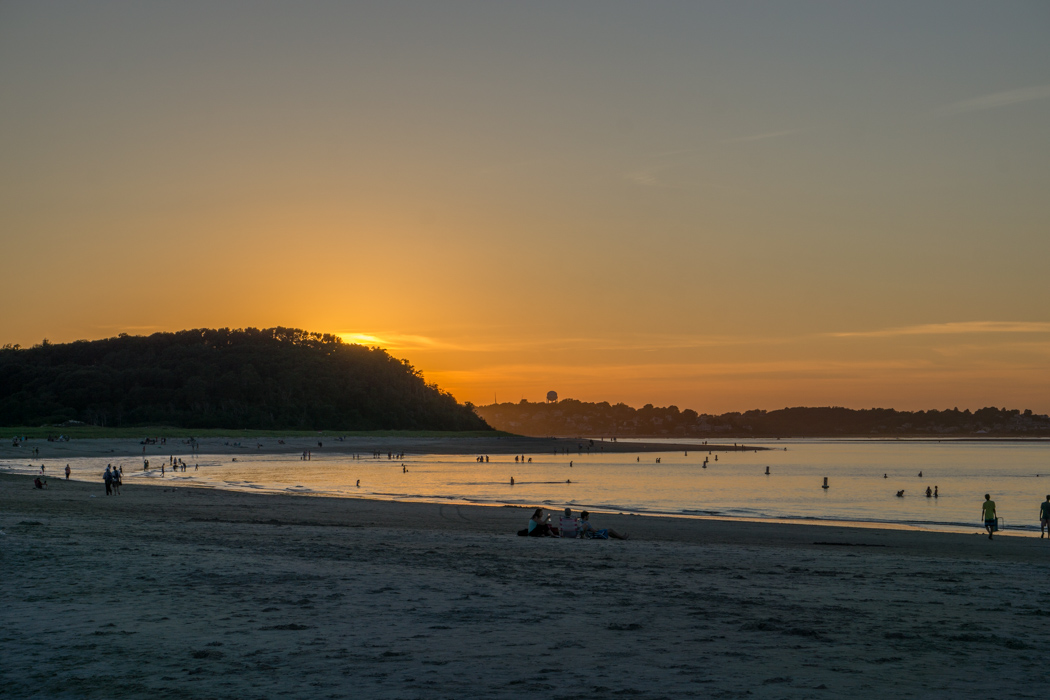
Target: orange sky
column 717, row 206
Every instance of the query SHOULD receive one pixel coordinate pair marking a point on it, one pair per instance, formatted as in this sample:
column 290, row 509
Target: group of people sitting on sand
column 568, row 526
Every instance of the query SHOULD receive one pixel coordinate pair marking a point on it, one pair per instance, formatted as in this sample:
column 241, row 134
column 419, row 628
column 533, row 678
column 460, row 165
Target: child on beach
column 1044, row 518
column 988, row 511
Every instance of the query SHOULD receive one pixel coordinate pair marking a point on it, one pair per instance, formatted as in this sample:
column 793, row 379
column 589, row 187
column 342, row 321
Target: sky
column 717, row 205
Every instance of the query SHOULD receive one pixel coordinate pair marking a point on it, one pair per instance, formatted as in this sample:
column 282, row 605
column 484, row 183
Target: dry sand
column 192, row 593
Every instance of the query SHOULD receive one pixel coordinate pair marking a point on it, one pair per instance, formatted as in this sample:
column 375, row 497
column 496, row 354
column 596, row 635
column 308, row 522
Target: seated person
column 588, row 530
column 570, row 526
column 39, row 483
column 537, row 526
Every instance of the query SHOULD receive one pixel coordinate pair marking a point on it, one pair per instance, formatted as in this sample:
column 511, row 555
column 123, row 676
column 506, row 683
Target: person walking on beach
column 108, row 478
column 67, row 472
column 1044, row 518
column 990, row 519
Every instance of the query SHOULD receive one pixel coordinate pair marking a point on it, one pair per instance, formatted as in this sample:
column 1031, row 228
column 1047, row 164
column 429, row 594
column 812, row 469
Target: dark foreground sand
column 164, row 593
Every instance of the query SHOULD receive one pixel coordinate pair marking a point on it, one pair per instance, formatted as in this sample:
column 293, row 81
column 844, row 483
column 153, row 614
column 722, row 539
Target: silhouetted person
column 988, row 512
column 1044, row 518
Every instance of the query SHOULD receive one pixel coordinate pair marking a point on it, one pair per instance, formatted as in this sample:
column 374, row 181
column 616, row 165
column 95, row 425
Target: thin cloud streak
column 735, row 139
column 994, row 101
column 959, row 328
column 647, row 342
column 761, row 137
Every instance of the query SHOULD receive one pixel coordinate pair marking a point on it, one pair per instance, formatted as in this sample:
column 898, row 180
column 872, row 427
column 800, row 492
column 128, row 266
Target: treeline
column 277, row 378
column 571, row 418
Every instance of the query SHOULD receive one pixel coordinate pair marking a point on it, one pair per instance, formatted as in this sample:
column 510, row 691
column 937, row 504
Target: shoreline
column 661, row 526
column 294, row 445
column 944, row 528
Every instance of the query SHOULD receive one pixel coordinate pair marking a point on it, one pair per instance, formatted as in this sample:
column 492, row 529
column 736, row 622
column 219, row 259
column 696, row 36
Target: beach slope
column 192, row 593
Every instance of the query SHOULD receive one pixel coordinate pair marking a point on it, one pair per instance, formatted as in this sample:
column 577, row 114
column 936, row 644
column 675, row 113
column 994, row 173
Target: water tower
column 552, row 397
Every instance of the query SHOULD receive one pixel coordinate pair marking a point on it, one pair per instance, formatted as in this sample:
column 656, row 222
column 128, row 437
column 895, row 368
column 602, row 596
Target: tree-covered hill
column 278, row 378
column 571, row 418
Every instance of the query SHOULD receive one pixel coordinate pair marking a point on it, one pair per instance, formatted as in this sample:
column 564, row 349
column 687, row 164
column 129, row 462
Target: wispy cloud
column 397, row 341
column 994, row 100
column 648, row 342
column 735, row 139
column 958, row 328
column 761, row 137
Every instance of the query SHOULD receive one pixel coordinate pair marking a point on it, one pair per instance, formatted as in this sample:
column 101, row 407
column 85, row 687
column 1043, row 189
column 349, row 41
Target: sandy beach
column 193, row 593
column 332, row 445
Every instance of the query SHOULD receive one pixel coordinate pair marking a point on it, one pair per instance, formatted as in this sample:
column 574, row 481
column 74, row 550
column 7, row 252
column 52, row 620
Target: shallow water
column 1015, row 473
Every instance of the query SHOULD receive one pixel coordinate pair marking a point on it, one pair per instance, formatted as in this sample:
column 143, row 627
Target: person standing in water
column 67, row 472
column 990, row 518
column 1044, row 518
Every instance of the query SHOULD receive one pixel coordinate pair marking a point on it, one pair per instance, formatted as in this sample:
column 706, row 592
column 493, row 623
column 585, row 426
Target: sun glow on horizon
column 675, row 205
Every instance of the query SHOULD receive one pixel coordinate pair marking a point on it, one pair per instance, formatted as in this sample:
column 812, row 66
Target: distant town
column 570, row 417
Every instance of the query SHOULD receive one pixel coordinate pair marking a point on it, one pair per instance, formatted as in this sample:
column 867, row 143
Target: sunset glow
column 717, row 206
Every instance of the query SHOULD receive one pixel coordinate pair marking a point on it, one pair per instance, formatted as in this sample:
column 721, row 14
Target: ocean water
column 863, row 476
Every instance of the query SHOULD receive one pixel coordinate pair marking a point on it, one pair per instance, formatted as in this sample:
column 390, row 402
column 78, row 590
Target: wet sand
column 236, row 446
column 194, row 593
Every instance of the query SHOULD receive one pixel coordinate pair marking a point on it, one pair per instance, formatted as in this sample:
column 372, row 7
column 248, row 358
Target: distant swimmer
column 767, row 470
column 935, row 494
column 885, row 476
column 512, row 481
column 900, row 494
column 929, row 492
column 568, row 481
column 825, row 486
column 570, row 463
column 920, row 475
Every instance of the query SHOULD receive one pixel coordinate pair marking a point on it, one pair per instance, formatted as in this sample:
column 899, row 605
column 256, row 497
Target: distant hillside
column 279, row 378
column 571, row 418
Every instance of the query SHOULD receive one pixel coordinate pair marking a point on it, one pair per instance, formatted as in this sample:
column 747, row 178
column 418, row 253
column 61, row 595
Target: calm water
column 1017, row 474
